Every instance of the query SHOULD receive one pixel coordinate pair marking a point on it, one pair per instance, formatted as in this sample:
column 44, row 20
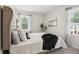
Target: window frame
column 29, row 22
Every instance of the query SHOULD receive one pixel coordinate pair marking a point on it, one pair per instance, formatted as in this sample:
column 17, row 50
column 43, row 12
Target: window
column 75, row 18
column 73, row 21
column 24, row 21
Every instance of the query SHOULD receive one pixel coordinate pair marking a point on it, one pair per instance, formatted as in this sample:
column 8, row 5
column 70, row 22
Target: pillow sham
column 22, row 35
column 15, row 37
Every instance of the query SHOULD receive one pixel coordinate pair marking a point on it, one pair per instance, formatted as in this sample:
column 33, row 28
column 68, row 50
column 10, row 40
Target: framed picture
column 52, row 22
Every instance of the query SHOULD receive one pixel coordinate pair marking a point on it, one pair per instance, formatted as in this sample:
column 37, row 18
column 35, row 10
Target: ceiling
column 35, row 8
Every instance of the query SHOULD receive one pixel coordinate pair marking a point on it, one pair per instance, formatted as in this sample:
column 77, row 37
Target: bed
column 34, row 45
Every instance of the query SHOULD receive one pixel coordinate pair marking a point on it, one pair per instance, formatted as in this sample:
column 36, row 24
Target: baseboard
column 74, row 46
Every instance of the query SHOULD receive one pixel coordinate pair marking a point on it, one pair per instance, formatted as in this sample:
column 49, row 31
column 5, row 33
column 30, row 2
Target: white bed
column 34, row 45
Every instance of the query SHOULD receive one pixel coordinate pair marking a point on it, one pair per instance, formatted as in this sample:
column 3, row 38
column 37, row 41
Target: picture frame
column 52, row 22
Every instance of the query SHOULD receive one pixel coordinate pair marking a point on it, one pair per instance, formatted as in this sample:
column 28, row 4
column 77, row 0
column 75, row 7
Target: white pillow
column 22, row 35
column 15, row 37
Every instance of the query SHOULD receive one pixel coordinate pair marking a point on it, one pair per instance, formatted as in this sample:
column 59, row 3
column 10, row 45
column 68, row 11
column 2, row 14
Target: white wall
column 60, row 30
column 36, row 20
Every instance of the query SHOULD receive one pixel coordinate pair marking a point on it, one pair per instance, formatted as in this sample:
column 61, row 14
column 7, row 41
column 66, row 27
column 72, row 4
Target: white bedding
column 34, row 45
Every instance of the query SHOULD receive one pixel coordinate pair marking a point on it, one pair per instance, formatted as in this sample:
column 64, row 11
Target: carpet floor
column 68, row 50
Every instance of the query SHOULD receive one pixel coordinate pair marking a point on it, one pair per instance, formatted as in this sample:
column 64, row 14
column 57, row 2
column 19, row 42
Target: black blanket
column 49, row 41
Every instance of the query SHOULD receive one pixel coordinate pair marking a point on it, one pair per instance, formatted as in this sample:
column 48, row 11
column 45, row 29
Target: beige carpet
column 62, row 51
column 66, row 51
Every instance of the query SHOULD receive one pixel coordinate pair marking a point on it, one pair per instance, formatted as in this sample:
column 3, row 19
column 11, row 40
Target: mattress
column 34, row 45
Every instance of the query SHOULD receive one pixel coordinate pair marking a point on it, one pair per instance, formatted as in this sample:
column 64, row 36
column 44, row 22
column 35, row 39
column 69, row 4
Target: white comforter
column 34, row 45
